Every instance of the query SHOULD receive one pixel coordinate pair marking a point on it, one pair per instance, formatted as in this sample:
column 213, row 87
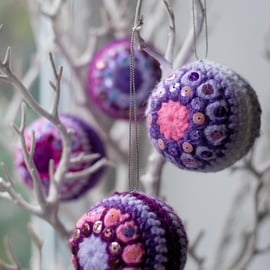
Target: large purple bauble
column 203, row 117
column 109, row 78
column 129, row 231
column 49, row 146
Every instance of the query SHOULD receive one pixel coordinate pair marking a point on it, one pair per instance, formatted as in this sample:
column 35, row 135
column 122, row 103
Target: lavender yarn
column 203, row 117
column 109, row 78
column 49, row 146
column 137, row 231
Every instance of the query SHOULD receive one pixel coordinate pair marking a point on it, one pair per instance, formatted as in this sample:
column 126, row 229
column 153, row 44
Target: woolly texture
column 92, row 253
column 109, row 78
column 140, row 233
column 203, row 117
column 48, row 146
column 173, row 120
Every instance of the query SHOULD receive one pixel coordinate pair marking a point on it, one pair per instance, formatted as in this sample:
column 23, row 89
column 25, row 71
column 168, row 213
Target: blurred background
column 239, row 34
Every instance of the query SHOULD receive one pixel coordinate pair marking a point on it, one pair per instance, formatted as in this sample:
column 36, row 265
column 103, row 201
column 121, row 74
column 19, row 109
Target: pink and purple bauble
column 48, row 146
column 129, row 231
column 203, row 117
column 109, row 78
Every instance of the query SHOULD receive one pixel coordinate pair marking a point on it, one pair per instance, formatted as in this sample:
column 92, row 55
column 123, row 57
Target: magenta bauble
column 109, row 78
column 48, row 146
column 129, row 231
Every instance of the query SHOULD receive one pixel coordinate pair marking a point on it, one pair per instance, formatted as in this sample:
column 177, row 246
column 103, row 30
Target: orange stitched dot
column 198, row 118
column 161, row 144
column 186, row 91
column 187, row 147
column 150, row 118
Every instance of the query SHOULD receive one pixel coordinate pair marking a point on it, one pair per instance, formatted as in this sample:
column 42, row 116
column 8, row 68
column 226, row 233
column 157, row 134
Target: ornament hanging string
column 195, row 30
column 133, row 156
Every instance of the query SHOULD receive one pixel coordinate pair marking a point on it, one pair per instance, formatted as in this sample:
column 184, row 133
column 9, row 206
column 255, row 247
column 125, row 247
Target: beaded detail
column 109, row 78
column 206, row 118
column 49, row 146
column 143, row 233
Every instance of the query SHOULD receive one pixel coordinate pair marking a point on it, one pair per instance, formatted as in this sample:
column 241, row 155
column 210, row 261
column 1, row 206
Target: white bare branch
column 248, row 248
column 151, row 180
column 52, row 9
column 28, row 157
column 199, row 260
column 119, row 21
column 38, row 243
column 88, row 171
column 84, row 158
column 28, row 79
column 187, row 48
column 14, row 265
column 142, row 45
column 9, row 193
column 171, row 42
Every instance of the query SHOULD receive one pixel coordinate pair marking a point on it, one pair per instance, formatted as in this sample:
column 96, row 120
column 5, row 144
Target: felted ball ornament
column 49, row 146
column 109, row 78
column 129, row 231
column 203, row 117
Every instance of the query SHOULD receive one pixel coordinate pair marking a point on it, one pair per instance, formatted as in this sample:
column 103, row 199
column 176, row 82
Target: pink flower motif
column 91, row 216
column 133, row 253
column 127, row 231
column 173, row 120
column 124, row 217
column 112, row 217
column 81, row 221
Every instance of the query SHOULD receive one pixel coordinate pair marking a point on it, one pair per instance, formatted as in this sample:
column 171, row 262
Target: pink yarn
column 133, row 253
column 92, row 216
column 121, row 235
column 173, row 120
column 112, row 217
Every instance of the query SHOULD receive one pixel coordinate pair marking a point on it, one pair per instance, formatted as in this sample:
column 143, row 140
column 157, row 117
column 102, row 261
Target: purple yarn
column 49, row 146
column 145, row 233
column 109, row 78
column 223, row 115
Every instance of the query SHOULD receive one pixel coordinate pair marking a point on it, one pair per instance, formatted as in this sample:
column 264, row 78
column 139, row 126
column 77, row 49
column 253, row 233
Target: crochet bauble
column 129, row 231
column 109, row 78
column 203, row 117
column 49, row 146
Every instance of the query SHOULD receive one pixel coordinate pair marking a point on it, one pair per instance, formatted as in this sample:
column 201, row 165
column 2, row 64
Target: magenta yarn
column 203, row 117
column 49, row 146
column 129, row 231
column 109, row 78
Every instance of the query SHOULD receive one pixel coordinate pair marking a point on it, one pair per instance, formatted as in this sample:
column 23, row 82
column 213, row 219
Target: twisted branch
column 192, row 251
column 187, row 48
column 14, row 265
column 47, row 208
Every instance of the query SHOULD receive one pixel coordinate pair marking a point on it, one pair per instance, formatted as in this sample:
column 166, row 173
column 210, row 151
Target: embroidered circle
column 109, row 78
column 172, row 120
column 48, row 146
column 198, row 122
column 148, row 235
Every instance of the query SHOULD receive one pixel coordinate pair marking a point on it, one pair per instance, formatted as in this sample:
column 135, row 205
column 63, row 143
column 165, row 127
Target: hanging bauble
column 203, row 117
column 129, row 231
column 49, row 146
column 109, row 78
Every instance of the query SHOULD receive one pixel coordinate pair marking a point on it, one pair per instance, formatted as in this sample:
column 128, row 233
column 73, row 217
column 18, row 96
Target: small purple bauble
column 203, row 117
column 129, row 231
column 109, row 78
column 49, row 146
